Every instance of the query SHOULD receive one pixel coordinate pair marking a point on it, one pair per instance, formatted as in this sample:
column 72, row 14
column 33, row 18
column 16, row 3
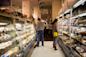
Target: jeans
column 55, row 40
column 40, row 37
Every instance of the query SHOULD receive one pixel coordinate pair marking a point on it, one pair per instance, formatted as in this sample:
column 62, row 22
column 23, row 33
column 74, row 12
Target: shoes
column 35, row 46
column 42, row 44
column 55, row 47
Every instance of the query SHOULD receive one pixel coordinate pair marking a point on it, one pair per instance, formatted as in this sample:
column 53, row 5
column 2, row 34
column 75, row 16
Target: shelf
column 80, row 15
column 28, row 42
column 79, row 25
column 65, row 33
column 61, row 15
column 25, row 36
column 69, row 37
column 68, row 51
column 11, row 52
column 5, row 44
column 15, row 49
column 83, row 21
column 9, row 43
column 11, row 16
column 80, row 2
column 78, row 53
column 79, row 41
column 67, row 11
column 74, row 52
column 74, row 38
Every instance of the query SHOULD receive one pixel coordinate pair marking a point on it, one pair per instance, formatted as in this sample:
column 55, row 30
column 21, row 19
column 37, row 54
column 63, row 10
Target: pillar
column 37, row 12
column 56, row 6
column 26, row 7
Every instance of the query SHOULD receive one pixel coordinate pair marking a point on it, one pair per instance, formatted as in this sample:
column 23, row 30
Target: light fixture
column 3, row 23
column 79, row 3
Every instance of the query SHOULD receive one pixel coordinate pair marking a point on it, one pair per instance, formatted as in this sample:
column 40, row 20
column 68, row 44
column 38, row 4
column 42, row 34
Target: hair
column 39, row 19
column 54, row 21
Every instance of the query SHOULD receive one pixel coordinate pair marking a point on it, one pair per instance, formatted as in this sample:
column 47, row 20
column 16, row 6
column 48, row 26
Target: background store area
column 18, row 19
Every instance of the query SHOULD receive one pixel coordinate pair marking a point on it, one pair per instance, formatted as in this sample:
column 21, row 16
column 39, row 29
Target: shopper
column 55, row 34
column 40, row 31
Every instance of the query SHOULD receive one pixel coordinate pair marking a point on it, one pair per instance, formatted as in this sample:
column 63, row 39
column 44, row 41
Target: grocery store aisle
column 47, row 51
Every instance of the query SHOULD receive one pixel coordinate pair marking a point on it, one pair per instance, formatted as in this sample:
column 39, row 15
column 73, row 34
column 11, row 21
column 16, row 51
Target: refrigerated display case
column 16, row 35
column 73, row 37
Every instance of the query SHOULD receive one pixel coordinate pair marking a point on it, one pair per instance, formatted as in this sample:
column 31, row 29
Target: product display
column 15, row 36
column 73, row 35
column 62, row 34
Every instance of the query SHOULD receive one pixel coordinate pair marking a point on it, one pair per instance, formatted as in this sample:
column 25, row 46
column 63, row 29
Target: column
column 56, row 6
column 37, row 12
column 26, row 7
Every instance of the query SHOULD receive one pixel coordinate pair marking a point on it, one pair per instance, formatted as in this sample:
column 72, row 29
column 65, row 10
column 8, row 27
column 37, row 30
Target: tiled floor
column 47, row 51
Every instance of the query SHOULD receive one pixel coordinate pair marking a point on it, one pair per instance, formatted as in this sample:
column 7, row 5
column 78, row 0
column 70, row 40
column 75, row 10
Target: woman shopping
column 55, row 34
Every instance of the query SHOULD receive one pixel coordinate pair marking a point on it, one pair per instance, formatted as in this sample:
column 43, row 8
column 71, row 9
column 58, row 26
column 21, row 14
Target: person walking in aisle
column 55, row 34
column 40, row 31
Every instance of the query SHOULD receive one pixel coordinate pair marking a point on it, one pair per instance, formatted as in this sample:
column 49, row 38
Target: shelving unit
column 18, row 35
column 72, row 27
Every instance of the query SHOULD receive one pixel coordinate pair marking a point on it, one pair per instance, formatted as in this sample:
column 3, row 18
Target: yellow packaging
column 55, row 34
